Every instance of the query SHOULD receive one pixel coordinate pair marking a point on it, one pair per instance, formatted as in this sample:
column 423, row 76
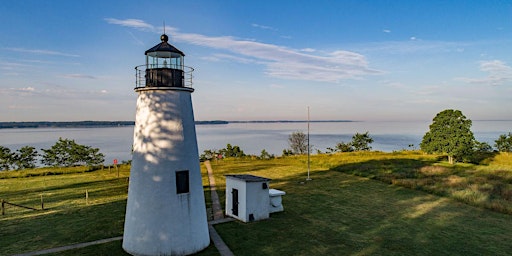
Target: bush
column 504, row 143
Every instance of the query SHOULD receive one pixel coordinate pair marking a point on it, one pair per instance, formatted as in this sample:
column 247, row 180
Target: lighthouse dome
column 164, row 49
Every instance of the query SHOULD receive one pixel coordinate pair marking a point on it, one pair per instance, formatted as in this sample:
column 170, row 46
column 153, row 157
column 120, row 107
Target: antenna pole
column 308, row 178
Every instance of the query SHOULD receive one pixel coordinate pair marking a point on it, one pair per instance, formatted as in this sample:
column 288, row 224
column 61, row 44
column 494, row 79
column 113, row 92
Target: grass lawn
column 336, row 213
column 340, row 214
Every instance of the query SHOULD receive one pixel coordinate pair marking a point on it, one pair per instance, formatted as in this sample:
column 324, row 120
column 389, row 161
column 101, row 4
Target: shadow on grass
column 54, row 229
column 340, row 214
column 462, row 182
column 58, row 196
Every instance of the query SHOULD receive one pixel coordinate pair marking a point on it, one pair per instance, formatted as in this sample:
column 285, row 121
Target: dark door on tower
column 234, row 210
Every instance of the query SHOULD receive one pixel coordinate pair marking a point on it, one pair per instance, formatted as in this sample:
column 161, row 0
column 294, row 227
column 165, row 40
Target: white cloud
column 414, row 46
column 386, row 31
column 308, row 50
column 220, row 56
column 498, row 73
column 28, row 89
column 132, row 23
column 43, row 52
column 281, row 61
column 287, row 63
column 80, row 76
column 24, row 91
column 263, row 27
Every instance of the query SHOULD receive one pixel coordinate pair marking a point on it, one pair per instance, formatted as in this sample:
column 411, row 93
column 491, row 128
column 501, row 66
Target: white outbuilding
column 249, row 198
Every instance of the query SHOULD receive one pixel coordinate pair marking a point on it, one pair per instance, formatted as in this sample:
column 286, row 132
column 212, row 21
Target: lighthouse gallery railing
column 163, row 75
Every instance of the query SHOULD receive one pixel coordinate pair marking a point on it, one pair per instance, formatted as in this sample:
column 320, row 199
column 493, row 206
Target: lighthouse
column 165, row 212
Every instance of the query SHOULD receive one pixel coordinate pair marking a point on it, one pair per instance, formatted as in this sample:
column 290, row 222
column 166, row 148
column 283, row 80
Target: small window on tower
column 182, row 183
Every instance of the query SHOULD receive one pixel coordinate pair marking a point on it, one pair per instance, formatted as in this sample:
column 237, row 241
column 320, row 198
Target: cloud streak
column 132, row 23
column 284, row 62
column 79, row 76
column 263, row 27
column 499, row 73
column 280, row 61
column 42, row 52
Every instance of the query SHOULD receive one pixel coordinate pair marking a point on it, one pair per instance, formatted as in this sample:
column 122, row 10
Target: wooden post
column 117, row 171
column 86, row 197
column 42, row 202
column 3, row 207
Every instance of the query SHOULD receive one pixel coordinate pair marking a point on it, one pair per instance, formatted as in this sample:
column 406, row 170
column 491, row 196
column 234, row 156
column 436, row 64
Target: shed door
column 234, row 197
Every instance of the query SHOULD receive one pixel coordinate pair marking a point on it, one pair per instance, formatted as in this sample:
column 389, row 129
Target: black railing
column 163, row 76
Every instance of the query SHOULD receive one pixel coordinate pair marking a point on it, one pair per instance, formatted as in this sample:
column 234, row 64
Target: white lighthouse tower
column 165, row 213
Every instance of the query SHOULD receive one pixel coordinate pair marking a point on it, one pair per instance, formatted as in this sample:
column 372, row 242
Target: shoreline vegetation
column 96, row 124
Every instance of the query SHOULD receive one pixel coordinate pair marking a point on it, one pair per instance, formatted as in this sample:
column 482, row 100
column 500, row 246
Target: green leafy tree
column 265, row 155
column 25, row 157
column 504, row 143
column 298, row 142
column 344, row 147
column 482, row 147
column 450, row 133
column 287, row 152
column 232, row 151
column 6, row 158
column 67, row 152
column 208, row 154
column 362, row 141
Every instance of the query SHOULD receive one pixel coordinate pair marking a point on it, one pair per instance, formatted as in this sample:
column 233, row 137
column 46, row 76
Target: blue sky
column 261, row 60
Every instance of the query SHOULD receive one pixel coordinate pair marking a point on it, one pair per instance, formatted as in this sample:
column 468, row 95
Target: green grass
column 336, row 213
column 340, row 214
column 68, row 217
column 487, row 185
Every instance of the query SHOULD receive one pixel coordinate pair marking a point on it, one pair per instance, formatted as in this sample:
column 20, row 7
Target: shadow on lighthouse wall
column 165, row 129
column 164, row 136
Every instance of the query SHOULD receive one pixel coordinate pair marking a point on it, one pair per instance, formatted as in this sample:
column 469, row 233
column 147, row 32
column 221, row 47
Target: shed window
column 182, row 182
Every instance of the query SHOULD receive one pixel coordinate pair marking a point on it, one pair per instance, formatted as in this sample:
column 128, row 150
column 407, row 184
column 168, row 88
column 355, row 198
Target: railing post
column 3, row 207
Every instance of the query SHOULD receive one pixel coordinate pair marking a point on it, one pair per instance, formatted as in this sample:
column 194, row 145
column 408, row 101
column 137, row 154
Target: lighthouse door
column 234, row 210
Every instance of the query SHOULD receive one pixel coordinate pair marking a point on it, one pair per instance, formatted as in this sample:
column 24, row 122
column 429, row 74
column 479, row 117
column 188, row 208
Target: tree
column 287, row 152
column 25, row 157
column 67, row 152
column 208, row 154
column 482, row 147
column 504, row 143
column 232, row 151
column 450, row 133
column 344, row 147
column 298, row 142
column 361, row 142
column 6, row 158
column 265, row 155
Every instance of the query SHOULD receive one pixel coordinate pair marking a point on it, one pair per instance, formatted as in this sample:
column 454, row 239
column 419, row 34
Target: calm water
column 115, row 142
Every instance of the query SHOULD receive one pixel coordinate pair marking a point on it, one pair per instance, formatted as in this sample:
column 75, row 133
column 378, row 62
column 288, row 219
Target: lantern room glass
column 164, row 60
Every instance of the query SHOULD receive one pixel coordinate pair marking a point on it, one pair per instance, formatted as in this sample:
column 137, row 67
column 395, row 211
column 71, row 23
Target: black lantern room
column 164, row 67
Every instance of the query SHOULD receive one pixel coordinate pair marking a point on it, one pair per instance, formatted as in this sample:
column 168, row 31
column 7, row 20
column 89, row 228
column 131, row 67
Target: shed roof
column 247, row 177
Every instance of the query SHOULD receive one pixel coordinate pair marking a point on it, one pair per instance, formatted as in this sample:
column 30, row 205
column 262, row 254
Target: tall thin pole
column 308, row 149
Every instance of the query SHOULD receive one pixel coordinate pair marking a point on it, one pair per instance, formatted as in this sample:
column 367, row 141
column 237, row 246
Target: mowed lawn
column 333, row 214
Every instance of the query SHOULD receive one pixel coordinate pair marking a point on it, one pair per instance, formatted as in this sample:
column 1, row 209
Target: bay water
column 252, row 138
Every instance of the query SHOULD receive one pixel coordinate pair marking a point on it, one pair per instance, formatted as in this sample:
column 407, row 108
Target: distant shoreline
column 98, row 124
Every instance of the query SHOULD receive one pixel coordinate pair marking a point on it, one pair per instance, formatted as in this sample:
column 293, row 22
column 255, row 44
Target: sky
column 261, row 60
